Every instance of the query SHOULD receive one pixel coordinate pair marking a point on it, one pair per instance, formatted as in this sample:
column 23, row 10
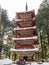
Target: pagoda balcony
column 26, row 46
column 28, row 32
column 28, row 40
column 23, row 24
column 25, row 35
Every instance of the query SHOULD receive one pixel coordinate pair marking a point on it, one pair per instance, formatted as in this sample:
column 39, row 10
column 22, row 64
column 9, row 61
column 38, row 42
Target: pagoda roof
column 25, row 12
column 34, row 49
column 25, row 28
column 27, row 38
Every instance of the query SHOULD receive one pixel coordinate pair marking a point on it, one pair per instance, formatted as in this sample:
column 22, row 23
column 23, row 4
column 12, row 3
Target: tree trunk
column 47, row 29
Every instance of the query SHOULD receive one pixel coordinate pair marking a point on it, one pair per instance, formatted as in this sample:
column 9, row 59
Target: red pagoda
column 26, row 36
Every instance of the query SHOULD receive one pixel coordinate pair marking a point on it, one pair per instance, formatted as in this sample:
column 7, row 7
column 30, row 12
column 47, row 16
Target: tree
column 5, row 26
column 42, row 19
column 1, row 34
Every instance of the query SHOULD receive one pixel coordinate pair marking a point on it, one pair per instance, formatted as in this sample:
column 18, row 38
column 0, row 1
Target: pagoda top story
column 27, row 14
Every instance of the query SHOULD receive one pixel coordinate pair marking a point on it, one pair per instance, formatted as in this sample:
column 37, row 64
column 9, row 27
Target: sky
column 13, row 6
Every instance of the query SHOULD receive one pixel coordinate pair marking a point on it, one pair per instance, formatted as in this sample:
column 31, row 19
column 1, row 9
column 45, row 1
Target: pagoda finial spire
column 26, row 7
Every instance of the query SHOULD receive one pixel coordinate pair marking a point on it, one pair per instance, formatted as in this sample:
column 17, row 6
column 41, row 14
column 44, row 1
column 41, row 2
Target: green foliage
column 42, row 19
column 5, row 20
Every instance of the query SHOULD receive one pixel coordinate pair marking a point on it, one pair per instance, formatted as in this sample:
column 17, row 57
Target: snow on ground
column 9, row 62
column 5, row 61
column 43, row 63
column 35, row 63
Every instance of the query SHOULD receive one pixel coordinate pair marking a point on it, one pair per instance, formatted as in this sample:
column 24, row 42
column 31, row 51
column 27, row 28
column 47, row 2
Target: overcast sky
column 13, row 6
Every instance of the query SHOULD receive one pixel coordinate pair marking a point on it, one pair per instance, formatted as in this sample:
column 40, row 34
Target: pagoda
column 26, row 38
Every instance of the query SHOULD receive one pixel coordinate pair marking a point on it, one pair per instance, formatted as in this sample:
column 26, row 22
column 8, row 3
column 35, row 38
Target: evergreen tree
column 42, row 19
